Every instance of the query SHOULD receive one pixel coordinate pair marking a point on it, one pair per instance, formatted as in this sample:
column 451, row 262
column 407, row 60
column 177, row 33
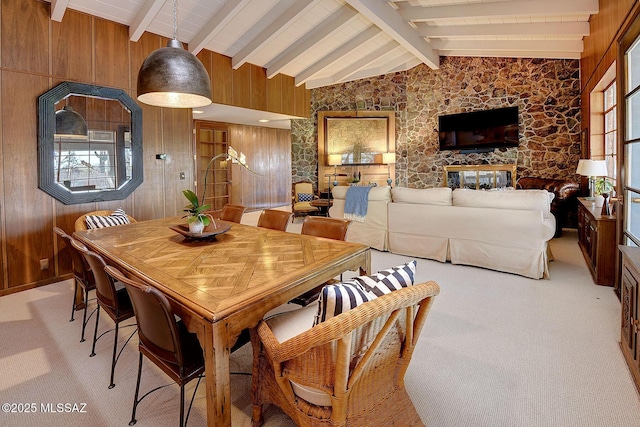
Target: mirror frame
column 46, row 130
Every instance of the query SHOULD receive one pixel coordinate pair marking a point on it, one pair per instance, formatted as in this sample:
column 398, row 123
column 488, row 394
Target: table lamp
column 333, row 160
column 388, row 159
column 592, row 169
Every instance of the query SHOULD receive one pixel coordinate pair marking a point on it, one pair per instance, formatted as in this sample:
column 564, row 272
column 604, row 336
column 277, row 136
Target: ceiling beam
column 499, row 9
column 389, row 21
column 578, row 29
column 336, row 54
column 143, row 18
column 363, row 62
column 512, row 54
column 216, row 24
column 321, row 31
column 58, row 8
column 284, row 21
column 509, row 45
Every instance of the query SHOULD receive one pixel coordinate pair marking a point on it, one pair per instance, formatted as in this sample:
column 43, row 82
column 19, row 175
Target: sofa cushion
column 536, row 200
column 423, row 196
column 382, row 193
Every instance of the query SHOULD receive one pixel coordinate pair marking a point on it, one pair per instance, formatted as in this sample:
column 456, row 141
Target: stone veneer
column 547, row 93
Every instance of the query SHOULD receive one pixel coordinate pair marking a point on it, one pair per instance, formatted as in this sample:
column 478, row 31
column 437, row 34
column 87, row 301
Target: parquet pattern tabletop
column 217, row 274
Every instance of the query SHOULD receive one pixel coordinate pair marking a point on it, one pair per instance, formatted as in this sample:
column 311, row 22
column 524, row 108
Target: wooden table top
column 242, row 267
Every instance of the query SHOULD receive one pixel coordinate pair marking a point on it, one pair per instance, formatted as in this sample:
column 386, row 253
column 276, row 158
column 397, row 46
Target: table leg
column 216, row 353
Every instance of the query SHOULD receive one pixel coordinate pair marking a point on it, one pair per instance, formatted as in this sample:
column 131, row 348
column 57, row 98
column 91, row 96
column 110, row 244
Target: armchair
column 301, row 198
column 353, row 363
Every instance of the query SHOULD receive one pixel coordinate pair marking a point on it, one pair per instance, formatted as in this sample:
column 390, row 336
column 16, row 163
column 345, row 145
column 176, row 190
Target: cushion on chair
column 337, row 298
column 118, row 217
column 305, row 197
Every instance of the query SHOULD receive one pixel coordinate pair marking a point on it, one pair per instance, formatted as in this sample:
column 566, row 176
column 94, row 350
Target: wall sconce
column 173, row 77
column 388, row 159
column 591, row 168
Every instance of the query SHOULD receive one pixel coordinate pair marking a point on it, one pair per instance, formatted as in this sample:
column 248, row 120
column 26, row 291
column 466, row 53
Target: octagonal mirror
column 89, row 143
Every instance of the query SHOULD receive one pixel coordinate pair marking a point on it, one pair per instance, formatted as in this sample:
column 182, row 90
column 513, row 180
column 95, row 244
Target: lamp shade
column 334, row 159
column 388, row 158
column 587, row 167
column 173, row 77
column 70, row 123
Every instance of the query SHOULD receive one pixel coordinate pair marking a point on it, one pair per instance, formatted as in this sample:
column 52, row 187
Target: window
column 610, row 131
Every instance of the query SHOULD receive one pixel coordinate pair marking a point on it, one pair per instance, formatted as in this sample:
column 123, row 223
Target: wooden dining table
column 222, row 285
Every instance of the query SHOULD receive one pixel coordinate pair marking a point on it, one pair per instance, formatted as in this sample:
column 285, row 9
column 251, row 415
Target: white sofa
column 500, row 230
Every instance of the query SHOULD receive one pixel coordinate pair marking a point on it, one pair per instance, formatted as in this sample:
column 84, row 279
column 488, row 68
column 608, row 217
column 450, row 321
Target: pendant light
column 70, row 123
column 173, row 77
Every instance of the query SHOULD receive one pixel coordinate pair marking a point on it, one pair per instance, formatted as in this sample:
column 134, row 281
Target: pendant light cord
column 175, row 19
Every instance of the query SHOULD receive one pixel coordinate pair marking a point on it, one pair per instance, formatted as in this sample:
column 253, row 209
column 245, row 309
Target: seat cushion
column 287, row 325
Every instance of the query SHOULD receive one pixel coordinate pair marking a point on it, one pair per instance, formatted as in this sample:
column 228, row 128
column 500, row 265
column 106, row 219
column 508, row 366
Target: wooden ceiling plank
column 143, row 18
column 510, row 45
column 389, row 21
column 578, row 29
column 299, row 8
column 336, row 54
column 499, row 9
column 216, row 24
column 58, row 8
column 341, row 17
column 346, row 72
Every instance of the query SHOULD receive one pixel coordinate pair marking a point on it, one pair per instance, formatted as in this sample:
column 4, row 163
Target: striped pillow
column 118, row 217
column 394, row 279
column 338, row 298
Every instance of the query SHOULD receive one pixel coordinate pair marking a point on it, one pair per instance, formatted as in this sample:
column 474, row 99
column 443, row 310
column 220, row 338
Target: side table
column 323, row 205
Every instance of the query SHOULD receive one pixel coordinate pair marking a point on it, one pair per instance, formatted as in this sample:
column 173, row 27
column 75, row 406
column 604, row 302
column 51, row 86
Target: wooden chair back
column 274, row 219
column 232, row 213
column 331, row 228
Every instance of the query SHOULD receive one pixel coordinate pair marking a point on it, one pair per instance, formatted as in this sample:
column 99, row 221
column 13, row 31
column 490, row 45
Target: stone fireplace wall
column 547, row 93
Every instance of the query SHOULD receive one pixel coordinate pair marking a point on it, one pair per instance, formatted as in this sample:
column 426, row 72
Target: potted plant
column 601, row 186
column 196, row 218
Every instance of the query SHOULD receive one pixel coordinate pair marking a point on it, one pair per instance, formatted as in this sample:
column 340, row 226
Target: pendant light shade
column 70, row 122
column 173, row 77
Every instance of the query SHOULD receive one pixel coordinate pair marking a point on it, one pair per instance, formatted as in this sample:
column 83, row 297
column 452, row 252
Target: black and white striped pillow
column 117, row 217
column 394, row 278
column 338, row 298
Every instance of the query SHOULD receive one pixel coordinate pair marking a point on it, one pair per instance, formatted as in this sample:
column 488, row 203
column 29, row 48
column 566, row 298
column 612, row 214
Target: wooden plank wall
column 35, row 55
column 601, row 48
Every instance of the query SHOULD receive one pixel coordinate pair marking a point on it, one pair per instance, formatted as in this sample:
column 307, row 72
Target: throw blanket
column 355, row 204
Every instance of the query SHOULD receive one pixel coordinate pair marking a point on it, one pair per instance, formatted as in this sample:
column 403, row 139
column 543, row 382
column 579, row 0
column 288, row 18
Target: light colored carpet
column 497, row 350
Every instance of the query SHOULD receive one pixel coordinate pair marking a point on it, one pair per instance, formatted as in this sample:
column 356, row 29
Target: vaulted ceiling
column 323, row 42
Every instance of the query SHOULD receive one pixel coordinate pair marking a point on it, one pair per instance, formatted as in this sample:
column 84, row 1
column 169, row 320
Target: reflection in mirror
column 90, row 146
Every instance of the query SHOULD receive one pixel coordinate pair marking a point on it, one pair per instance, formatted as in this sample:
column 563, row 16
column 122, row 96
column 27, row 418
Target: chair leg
column 73, row 306
column 135, row 397
column 84, row 316
column 182, row 405
column 113, row 359
column 95, row 332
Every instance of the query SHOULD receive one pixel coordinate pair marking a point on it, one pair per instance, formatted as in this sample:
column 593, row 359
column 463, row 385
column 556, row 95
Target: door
column 213, row 177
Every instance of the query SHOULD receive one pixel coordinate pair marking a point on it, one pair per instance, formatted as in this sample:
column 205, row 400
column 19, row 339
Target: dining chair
column 347, row 370
column 232, row 213
column 82, row 277
column 274, row 219
column 112, row 298
column 320, row 226
column 164, row 340
column 301, row 196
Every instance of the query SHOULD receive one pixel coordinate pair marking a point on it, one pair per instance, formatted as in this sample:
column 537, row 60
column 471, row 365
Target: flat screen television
column 479, row 130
